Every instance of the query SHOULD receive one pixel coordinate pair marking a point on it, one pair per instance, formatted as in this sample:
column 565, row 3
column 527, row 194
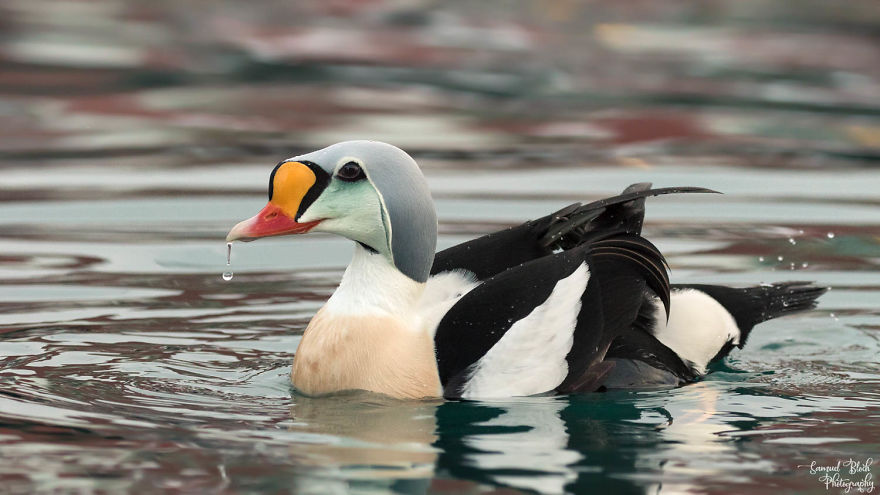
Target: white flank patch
column 698, row 327
column 530, row 358
column 442, row 291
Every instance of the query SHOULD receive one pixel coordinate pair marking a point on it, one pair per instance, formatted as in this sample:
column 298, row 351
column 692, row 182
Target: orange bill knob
column 290, row 182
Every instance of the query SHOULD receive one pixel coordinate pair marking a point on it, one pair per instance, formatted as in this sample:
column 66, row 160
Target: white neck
column 372, row 285
column 369, row 336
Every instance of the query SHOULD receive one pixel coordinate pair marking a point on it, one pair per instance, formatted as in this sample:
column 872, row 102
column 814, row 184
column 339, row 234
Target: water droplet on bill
column 227, row 275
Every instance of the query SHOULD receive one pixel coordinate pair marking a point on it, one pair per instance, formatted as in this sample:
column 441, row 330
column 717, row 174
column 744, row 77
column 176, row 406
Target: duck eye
column 351, row 172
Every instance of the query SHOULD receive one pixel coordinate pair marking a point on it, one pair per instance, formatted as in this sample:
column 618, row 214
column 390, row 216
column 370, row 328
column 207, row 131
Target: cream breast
column 376, row 353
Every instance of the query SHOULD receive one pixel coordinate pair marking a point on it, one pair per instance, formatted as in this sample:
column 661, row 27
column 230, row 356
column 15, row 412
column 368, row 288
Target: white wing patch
column 442, row 291
column 698, row 327
column 530, row 358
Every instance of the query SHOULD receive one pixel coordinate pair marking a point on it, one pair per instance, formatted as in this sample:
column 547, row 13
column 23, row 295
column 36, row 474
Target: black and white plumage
column 571, row 302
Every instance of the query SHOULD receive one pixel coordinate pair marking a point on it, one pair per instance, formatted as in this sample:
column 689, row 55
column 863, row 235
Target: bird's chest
column 375, row 353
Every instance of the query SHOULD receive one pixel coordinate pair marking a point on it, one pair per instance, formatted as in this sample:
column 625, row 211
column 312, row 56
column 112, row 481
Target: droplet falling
column 761, row 259
column 779, row 258
column 830, row 235
column 792, row 241
column 227, row 275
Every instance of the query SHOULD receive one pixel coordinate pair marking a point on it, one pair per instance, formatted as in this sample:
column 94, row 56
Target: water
column 136, row 137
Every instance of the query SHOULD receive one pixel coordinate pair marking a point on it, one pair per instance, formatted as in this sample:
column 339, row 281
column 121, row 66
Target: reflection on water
column 523, row 444
column 365, row 437
column 135, row 135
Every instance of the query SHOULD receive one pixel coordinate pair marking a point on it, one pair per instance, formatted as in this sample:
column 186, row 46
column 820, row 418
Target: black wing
column 564, row 229
column 626, row 271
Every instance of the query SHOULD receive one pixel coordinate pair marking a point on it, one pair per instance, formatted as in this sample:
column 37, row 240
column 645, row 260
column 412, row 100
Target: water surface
column 128, row 364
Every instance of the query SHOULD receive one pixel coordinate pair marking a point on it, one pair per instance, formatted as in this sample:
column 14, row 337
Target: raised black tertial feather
column 626, row 217
column 565, row 229
column 570, row 226
column 629, row 215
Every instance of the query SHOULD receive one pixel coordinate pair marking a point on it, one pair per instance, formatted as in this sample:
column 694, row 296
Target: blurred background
column 166, row 83
column 133, row 135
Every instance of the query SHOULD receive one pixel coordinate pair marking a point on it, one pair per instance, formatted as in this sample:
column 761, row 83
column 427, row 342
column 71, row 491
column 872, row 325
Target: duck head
column 370, row 192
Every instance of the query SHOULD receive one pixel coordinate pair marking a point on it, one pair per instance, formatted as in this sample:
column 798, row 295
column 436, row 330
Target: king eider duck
column 576, row 301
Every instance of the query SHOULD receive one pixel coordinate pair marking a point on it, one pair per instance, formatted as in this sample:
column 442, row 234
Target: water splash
column 227, row 275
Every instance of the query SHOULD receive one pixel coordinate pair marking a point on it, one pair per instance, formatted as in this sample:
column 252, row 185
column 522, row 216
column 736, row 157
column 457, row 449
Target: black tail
column 754, row 305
